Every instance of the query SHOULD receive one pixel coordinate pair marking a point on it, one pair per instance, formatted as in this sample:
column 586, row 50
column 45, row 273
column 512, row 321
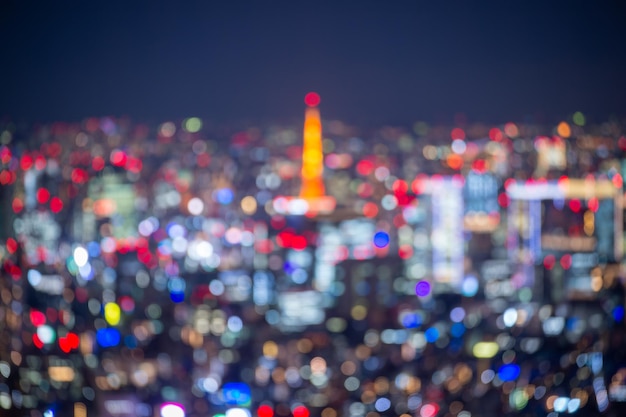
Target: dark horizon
column 372, row 63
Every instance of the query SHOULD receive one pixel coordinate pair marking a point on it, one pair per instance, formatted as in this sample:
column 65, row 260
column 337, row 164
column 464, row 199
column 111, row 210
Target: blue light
column 224, row 196
column 618, row 313
column 177, row 297
column 411, row 320
column 509, row 372
column 457, row 330
column 470, row 286
column 130, row 341
column 381, row 239
column 237, row 393
column 94, row 249
column 108, row 337
column 432, row 334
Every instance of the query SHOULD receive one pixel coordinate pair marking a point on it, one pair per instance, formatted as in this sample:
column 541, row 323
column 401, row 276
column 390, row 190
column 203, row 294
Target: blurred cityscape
column 189, row 269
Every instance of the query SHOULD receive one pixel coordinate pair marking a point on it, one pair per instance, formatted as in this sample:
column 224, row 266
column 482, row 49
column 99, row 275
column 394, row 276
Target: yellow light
column 248, row 205
column 358, row 312
column 112, row 313
column 589, row 223
column 485, row 350
column 80, row 410
column 61, row 373
column 270, row 349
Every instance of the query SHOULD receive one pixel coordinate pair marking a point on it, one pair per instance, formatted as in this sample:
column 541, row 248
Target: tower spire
column 312, row 200
column 312, row 185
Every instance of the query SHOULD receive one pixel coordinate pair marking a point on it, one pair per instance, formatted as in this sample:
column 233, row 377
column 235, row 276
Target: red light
column 265, row 411
column 300, row 411
column 54, row 149
column 37, row 342
column 69, row 342
column 370, row 210
column 40, row 162
column 479, row 165
column 43, row 195
column 400, row 187
column 593, row 204
column 298, row 242
column 263, row 246
column 127, row 304
column 11, row 245
column 56, row 204
column 203, row 160
column 575, row 205
column 18, row 205
column 98, row 163
column 278, row 222
column 429, row 410
column 405, row 251
column 495, row 134
column 134, row 165
column 566, row 261
column 79, row 176
column 457, row 133
column 312, row 99
column 364, row 167
column 5, row 177
column 503, row 200
column 118, row 158
column 549, row 261
column 5, row 155
column 26, row 162
column 37, row 318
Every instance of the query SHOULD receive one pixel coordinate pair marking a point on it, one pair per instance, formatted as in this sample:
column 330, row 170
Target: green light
column 193, row 124
column 579, row 118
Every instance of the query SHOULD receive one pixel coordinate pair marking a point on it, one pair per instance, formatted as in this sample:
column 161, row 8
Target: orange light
column 564, row 130
column 312, row 156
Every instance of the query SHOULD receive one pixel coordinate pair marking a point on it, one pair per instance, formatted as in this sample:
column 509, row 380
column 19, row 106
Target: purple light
column 422, row 289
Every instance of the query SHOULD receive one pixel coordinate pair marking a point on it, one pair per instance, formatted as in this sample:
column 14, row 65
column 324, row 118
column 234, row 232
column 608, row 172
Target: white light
column 553, row 325
column 81, row 256
column 573, row 405
column 510, row 317
column 34, row 277
column 45, row 333
column 204, row 249
column 172, row 410
column 298, row 207
column 237, row 412
column 195, row 206
column 458, row 146
column 235, row 324
column 560, row 404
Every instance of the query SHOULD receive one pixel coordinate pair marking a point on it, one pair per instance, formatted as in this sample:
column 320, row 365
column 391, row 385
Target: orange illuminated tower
column 312, row 186
column 312, row 200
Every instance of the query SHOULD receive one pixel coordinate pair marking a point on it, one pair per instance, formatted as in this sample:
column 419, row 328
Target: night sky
column 373, row 62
